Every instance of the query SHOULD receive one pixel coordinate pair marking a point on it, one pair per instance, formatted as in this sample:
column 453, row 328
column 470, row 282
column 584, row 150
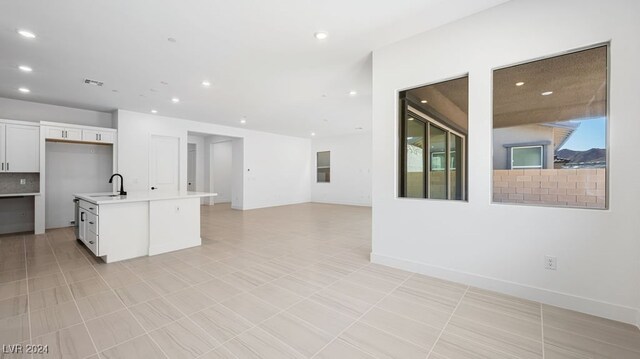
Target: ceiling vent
column 93, row 82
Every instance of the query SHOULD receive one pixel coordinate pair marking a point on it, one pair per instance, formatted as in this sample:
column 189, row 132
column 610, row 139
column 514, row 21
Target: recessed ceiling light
column 175, row 100
column 519, row 83
column 424, row 101
column 313, row 133
column 547, row 93
column 154, row 111
column 206, row 83
column 27, row 34
column 25, row 68
column 24, row 90
column 321, row 35
column 243, row 120
column 353, row 93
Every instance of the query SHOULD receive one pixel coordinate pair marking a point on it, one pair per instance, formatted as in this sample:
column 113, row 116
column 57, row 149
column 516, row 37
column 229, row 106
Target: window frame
column 409, row 110
column 318, row 167
column 541, row 166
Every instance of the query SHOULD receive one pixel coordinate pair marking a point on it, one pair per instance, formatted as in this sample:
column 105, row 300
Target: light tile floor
column 285, row 282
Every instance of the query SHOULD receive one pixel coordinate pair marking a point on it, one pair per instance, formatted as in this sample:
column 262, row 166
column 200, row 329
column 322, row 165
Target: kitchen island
column 117, row 227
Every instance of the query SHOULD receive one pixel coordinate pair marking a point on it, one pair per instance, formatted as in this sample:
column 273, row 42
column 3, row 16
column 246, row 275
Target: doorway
column 192, row 167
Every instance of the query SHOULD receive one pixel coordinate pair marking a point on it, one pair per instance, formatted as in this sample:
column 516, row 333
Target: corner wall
column 350, row 170
column 502, row 247
column 275, row 167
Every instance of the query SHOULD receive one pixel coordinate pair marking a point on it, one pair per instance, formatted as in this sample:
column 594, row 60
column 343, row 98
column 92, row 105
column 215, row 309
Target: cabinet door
column 90, row 136
column 106, row 137
column 82, row 226
column 3, row 145
column 55, row 133
column 73, row 134
column 97, row 136
column 22, row 149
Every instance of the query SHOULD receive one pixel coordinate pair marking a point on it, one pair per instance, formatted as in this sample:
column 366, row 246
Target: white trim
column 343, row 203
column 70, row 125
column 564, row 300
column 541, row 166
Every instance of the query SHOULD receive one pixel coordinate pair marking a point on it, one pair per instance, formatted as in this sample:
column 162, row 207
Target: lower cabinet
column 88, row 228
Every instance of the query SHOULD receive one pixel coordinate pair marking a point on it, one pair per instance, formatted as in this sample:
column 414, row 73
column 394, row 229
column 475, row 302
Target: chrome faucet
column 122, row 191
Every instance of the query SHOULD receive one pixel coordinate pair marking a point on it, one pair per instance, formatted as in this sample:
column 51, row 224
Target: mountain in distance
column 592, row 155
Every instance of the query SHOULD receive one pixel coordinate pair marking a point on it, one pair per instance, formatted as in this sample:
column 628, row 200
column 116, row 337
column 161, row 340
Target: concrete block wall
column 551, row 187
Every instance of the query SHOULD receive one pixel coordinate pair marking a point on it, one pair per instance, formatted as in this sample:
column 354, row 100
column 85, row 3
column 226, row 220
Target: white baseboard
column 564, row 300
column 344, row 203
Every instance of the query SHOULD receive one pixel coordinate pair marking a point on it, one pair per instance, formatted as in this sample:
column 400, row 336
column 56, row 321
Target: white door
column 191, row 167
column 164, row 163
column 22, row 149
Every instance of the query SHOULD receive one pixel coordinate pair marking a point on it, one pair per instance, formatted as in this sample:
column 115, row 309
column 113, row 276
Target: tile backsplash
column 10, row 183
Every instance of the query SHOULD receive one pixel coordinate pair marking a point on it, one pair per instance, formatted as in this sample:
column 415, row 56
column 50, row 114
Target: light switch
column 23, row 181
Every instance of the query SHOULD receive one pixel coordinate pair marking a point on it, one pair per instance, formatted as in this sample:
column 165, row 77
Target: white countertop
column 109, row 198
column 19, row 194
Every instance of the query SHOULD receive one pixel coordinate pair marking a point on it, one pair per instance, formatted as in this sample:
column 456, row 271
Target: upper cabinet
column 76, row 133
column 19, row 148
column 63, row 133
column 97, row 136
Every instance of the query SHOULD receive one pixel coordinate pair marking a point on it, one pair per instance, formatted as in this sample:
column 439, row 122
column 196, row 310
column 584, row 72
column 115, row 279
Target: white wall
column 350, row 170
column 502, row 247
column 275, row 167
column 73, row 168
column 36, row 112
column 221, row 170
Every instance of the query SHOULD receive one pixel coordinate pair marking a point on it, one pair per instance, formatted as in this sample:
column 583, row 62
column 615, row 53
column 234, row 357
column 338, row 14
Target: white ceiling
column 260, row 56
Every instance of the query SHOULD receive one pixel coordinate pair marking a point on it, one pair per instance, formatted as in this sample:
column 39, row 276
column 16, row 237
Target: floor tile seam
column 303, row 298
column 126, row 308
column 447, row 323
column 542, row 332
column 95, row 348
column 362, row 316
column 632, row 328
column 596, row 339
column 489, row 325
column 24, row 245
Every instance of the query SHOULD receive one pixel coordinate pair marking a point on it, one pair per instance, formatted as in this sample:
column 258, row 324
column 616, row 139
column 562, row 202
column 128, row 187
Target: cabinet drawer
column 92, row 223
column 91, row 241
column 89, row 207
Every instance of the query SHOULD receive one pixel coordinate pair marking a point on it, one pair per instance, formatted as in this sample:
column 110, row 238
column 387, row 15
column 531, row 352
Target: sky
column 590, row 134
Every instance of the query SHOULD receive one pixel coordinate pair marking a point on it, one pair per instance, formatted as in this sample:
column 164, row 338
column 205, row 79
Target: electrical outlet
column 23, row 181
column 550, row 262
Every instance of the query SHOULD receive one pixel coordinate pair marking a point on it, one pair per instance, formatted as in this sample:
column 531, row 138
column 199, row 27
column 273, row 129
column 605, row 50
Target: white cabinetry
column 19, row 148
column 88, row 228
column 64, row 133
column 55, row 131
column 97, row 136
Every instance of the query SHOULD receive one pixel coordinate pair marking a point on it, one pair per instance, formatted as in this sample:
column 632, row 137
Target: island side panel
column 174, row 224
column 124, row 230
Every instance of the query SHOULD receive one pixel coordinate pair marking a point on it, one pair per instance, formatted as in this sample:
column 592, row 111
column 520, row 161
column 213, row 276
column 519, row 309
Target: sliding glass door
column 433, row 159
